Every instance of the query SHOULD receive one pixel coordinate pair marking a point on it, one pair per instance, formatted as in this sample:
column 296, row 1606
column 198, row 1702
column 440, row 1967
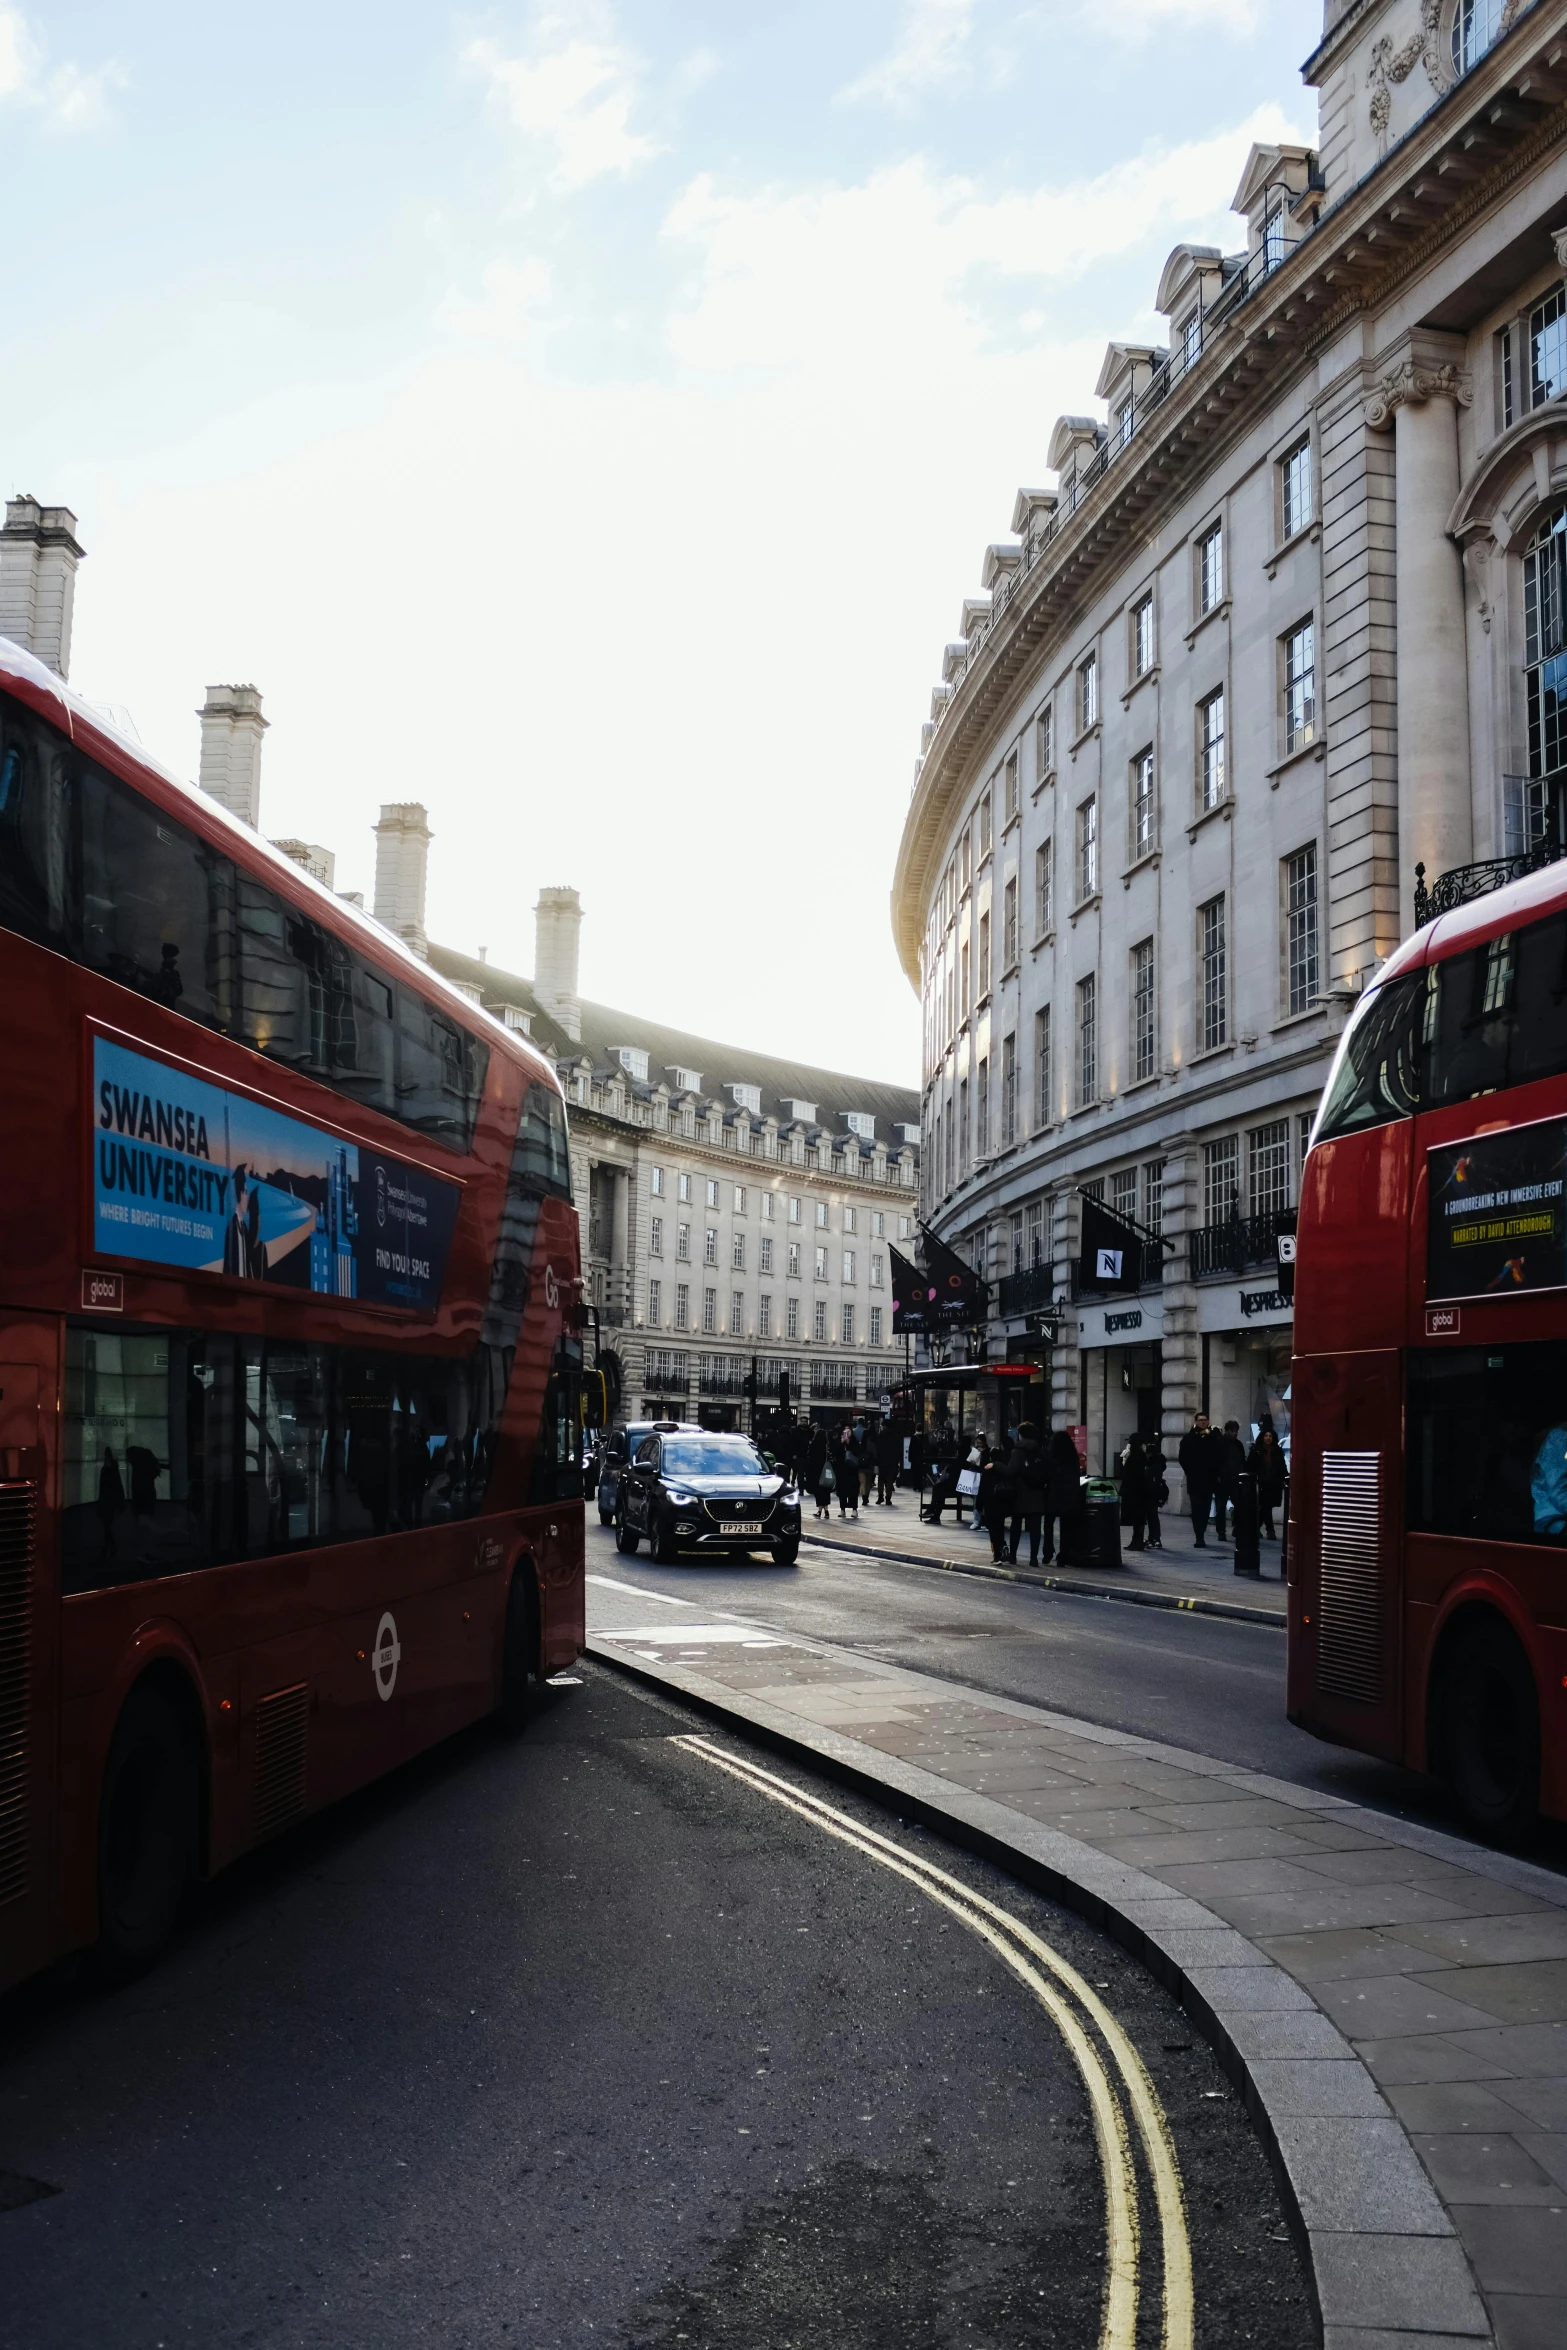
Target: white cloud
column 575, row 96
column 931, row 51
column 67, row 97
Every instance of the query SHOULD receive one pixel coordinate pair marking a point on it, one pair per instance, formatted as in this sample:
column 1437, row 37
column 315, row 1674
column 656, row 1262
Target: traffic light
column 750, row 1386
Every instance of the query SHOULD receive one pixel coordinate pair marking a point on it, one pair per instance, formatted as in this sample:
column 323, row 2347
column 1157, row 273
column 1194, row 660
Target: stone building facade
column 1285, row 629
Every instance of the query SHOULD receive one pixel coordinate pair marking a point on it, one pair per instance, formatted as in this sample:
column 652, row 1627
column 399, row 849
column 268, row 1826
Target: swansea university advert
column 188, row 1174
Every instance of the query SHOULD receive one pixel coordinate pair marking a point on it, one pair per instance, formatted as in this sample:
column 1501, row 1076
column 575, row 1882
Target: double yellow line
column 1084, row 2023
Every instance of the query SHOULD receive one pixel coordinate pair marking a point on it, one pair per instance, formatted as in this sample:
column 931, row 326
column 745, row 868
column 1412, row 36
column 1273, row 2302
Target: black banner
column 1110, row 1253
column 1496, row 1216
column 943, row 1295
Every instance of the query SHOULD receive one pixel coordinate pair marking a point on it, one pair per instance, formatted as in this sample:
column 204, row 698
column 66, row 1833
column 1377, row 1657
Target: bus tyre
column 520, row 1653
column 1491, row 1734
column 666, row 1550
column 626, row 1539
column 146, row 1834
column 787, row 1552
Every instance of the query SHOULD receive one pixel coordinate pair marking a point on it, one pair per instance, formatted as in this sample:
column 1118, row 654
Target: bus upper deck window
column 1376, row 1074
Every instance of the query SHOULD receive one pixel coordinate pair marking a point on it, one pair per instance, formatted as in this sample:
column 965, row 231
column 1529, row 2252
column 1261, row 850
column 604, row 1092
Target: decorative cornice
column 1395, row 65
column 1411, row 386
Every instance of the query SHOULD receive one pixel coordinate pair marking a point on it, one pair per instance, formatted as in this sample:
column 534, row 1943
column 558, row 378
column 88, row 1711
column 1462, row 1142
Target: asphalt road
column 1201, row 1682
column 579, row 2040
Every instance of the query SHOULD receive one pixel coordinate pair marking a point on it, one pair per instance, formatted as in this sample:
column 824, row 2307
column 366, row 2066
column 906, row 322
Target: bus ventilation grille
column 1349, row 1605
column 282, row 1727
column 18, row 1520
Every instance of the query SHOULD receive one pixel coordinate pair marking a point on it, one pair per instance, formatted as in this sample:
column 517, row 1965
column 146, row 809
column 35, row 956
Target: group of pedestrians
column 849, row 1461
column 1015, row 1488
column 1214, row 1460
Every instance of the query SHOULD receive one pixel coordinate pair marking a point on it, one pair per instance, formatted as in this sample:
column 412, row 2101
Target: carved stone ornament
column 1427, row 48
column 1559, row 246
column 1477, row 563
column 1411, row 386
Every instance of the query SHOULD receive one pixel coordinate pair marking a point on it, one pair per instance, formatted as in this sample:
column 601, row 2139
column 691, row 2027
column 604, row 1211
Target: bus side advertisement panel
column 1497, row 1214
column 194, row 1177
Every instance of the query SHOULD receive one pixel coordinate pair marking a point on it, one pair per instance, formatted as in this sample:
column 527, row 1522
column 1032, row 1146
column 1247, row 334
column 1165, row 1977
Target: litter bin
column 1094, row 1535
column 1248, row 1556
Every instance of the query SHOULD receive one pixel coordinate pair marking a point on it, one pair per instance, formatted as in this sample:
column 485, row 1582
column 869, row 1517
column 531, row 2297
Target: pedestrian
column 997, row 1485
column 1030, row 1492
column 819, row 1476
column 1136, row 1501
column 968, row 1485
column 1199, row 1459
column 943, row 1483
column 1064, row 1492
column 846, row 1471
column 1266, row 1463
column 1232, row 1468
column 1155, row 1474
column 865, row 1444
column 889, row 1460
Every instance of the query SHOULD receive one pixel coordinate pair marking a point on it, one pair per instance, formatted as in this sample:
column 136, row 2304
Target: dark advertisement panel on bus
column 189, row 1175
column 1497, row 1223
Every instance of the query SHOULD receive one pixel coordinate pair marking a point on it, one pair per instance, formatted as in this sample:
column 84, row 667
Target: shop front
column 988, row 1400
column 1120, row 1368
column 1246, row 1332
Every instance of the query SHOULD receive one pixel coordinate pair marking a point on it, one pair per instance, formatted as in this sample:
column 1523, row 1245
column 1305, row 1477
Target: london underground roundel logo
column 386, row 1656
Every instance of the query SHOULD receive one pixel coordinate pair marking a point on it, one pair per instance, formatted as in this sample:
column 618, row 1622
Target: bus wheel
column 520, row 1653
column 146, row 1834
column 1491, row 1734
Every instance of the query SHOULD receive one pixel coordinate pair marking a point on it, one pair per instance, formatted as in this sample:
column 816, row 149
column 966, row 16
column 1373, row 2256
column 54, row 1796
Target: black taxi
column 695, row 1490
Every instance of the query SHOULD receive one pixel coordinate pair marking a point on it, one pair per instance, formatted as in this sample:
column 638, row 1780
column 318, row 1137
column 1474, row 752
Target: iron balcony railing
column 1029, row 1292
column 1461, row 883
column 1235, row 1245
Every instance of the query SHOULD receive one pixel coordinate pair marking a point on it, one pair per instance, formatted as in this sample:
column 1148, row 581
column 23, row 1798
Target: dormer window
column 746, row 1097
column 1475, row 27
column 1191, row 339
column 1125, row 420
column 632, row 1059
column 862, row 1123
column 1273, row 245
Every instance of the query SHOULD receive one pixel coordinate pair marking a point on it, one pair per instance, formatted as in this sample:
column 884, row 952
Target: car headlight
column 681, row 1501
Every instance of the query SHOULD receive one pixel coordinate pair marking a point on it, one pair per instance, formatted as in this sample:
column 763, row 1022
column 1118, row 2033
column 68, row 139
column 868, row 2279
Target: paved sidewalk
column 1176, row 1573
column 1394, row 1999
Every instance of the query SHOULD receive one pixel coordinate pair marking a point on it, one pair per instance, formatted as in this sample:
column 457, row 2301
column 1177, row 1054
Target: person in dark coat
column 1266, row 1463
column 846, row 1464
column 1155, row 1472
column 815, row 1472
column 1030, row 1492
column 1065, row 1490
column 1137, row 1503
column 1199, row 1459
column 1232, row 1468
column 889, row 1460
column 997, row 1486
column 943, row 1472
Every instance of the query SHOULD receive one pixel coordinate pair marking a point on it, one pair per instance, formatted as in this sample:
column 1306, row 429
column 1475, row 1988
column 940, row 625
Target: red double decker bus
column 290, row 1477
column 1428, row 1487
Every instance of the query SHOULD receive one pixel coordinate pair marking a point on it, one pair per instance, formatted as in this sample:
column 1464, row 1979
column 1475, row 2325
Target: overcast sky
column 589, row 420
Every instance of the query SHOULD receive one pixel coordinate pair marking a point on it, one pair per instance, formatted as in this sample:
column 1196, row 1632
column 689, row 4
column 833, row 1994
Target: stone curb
column 1196, row 1605
column 1382, row 2259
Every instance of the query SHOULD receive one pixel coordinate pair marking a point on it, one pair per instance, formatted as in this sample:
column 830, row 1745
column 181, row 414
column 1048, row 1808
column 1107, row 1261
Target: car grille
column 731, row 1512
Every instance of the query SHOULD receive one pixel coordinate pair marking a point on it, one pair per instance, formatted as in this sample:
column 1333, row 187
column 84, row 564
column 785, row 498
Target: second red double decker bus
column 1428, row 1487
column 290, row 1476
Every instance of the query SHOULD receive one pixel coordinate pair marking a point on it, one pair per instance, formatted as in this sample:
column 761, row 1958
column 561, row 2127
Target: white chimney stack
column 402, row 852
column 319, row 863
column 38, row 558
column 231, row 730
column 557, row 920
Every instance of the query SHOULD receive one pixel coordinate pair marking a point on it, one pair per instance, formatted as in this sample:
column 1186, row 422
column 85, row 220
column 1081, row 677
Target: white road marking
column 658, row 1598
column 710, row 1636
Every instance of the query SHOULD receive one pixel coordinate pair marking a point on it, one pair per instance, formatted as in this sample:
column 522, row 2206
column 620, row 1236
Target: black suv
column 618, row 1454
column 689, row 1490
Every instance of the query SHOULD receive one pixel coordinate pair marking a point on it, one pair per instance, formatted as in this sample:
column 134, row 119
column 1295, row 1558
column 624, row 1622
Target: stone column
column 1420, row 389
column 1180, row 1355
column 1065, row 1361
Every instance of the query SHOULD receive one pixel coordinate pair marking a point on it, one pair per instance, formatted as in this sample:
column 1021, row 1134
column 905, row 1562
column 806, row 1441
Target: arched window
column 1475, row 26
column 1534, row 801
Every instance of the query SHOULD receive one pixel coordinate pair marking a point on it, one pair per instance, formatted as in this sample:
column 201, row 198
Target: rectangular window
column 1300, row 686
column 821, row 1214
column 848, row 1266
column 965, row 859
column 740, row 1199
column 710, row 1309
column 963, row 981
column 794, row 1260
column 851, row 1221
column 769, row 1204
column 819, row 1319
column 1044, row 744
column 847, row 1325
column 1087, row 849
column 1548, row 348
column 1142, row 805
column 878, row 1224
column 655, row 1302
column 1008, row 1092
column 1044, row 880
column 1210, row 751
column 1044, row 1108
column 984, row 825
column 737, row 1315
column 1295, row 489
column 1507, row 377
column 1012, row 789
column 1123, row 1193
column 794, row 1211
column 1210, row 569
column 1213, row 974
column 984, row 956
column 1087, row 1042
column 1191, row 340
column 683, row 1241
column 764, row 1316
column 982, row 1109
column 821, row 1264
column 765, row 1258
column 876, row 1314
column 712, row 1193
column 1142, row 636
column 1153, row 1195
column 655, row 1236
column 1268, row 1167
column 1144, row 1037
column 878, row 1270
column 710, row 1245
column 1009, row 937
column 1221, row 1197
column 792, row 1318
column 1300, row 916
column 1088, row 694
column 656, row 1181
column 685, row 1187
column 682, row 1306
column 1034, row 1233
column 737, row 1253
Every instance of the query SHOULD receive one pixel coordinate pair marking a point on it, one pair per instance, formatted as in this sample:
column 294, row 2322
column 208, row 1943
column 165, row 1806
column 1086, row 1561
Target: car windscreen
column 692, row 1458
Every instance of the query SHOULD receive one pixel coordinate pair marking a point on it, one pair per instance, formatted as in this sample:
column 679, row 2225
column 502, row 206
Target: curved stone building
column 1286, row 629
